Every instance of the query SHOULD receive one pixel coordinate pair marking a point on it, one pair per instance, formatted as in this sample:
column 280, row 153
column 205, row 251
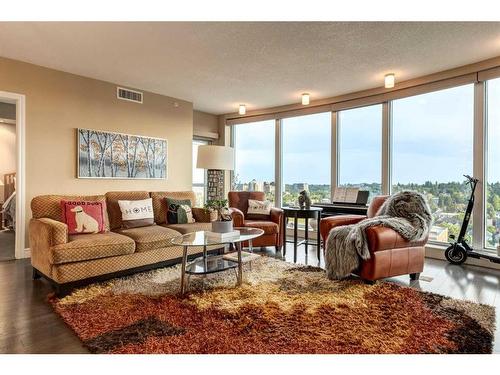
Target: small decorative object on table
column 224, row 222
column 304, row 200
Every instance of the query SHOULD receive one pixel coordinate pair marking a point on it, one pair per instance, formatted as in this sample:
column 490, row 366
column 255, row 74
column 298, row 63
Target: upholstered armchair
column 271, row 224
column 390, row 254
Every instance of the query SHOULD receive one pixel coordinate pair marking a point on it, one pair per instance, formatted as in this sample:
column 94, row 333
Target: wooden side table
column 301, row 213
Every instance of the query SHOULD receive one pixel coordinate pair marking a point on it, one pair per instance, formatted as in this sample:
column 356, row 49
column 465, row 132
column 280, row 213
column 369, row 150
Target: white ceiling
column 219, row 65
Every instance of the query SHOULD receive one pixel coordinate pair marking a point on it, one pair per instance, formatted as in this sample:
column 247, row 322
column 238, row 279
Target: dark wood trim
column 64, row 289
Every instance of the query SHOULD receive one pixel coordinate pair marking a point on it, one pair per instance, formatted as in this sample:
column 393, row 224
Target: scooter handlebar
column 471, row 179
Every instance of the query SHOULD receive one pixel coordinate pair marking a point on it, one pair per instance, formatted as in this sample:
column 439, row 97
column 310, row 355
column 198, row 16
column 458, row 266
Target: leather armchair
column 271, row 224
column 390, row 254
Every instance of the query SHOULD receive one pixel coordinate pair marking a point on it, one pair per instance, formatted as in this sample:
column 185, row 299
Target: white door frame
column 20, row 102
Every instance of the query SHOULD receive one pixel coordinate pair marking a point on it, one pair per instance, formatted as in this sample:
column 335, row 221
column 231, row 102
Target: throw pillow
column 84, row 216
column 137, row 214
column 179, row 211
column 258, row 210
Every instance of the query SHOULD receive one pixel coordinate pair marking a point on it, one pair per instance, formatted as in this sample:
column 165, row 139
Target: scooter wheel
column 455, row 254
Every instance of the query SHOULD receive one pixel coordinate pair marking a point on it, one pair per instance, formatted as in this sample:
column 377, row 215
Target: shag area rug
column 281, row 308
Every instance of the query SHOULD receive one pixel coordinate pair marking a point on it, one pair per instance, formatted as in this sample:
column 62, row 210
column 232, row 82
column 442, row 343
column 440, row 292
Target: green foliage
column 220, row 206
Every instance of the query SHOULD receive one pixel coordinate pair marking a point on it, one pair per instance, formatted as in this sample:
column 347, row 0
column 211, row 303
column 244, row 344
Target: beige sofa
column 68, row 261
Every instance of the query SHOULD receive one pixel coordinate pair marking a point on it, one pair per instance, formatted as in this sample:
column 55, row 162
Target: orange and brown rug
column 281, row 308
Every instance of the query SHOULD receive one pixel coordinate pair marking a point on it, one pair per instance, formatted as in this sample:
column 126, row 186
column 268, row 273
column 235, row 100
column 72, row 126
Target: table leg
column 239, row 245
column 183, row 270
column 295, row 224
column 250, row 249
column 319, row 236
column 306, row 234
column 285, row 222
column 205, row 260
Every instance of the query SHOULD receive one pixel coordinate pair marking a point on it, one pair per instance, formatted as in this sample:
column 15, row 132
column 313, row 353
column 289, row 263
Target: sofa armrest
column 383, row 238
column 203, row 215
column 238, row 217
column 53, row 231
column 43, row 234
column 277, row 216
column 328, row 223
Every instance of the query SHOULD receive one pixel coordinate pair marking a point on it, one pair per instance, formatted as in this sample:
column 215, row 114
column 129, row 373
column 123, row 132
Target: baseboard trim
column 26, row 253
column 437, row 252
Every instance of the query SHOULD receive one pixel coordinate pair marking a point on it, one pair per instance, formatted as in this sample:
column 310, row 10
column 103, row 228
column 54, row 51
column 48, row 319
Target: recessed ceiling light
column 390, row 80
column 242, row 110
column 305, row 98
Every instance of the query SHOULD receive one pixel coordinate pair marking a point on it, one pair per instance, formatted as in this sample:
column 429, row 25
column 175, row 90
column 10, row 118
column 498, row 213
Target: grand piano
column 346, row 201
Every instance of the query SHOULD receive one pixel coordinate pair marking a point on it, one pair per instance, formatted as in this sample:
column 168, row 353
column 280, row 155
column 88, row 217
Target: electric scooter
column 459, row 250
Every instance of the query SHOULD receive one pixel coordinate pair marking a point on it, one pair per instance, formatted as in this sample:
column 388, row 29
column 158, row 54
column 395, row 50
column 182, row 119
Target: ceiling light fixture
column 305, row 98
column 242, row 110
column 390, row 80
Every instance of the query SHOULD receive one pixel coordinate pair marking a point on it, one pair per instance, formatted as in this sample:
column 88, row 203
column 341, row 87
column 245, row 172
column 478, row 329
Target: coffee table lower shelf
column 210, row 264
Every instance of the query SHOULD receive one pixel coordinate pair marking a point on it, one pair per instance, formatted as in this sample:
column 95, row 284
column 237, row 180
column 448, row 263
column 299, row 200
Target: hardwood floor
column 7, row 244
column 28, row 324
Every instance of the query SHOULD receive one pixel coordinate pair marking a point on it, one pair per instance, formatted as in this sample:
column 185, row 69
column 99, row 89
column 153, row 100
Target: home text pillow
column 137, row 213
column 179, row 211
column 84, row 216
column 259, row 209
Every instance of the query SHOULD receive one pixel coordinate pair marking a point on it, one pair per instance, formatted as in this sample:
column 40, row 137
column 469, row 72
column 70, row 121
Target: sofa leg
column 36, row 274
column 62, row 290
column 370, row 282
column 278, row 249
column 415, row 276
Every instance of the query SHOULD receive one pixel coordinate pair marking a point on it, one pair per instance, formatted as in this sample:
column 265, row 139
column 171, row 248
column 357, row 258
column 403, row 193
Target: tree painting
column 114, row 155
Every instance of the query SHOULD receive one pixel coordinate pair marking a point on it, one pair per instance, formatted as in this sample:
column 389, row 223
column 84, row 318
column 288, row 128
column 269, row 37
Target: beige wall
column 57, row 103
column 7, row 152
column 205, row 125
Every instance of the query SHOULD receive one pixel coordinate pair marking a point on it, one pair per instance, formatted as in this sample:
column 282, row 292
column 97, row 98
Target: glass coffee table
column 207, row 264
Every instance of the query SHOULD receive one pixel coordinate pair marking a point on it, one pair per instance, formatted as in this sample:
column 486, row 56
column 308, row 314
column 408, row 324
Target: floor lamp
column 216, row 160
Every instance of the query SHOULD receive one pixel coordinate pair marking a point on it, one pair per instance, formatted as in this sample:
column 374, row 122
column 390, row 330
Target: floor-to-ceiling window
column 306, row 157
column 360, row 148
column 492, row 186
column 254, row 157
column 199, row 175
column 432, row 148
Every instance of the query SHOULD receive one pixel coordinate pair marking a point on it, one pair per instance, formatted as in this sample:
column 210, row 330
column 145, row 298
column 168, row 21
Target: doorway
column 12, row 191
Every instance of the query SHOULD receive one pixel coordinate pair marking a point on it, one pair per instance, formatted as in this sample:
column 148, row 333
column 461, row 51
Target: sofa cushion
column 150, row 238
column 114, row 212
column 179, row 211
column 91, row 246
column 49, row 206
column 268, row 227
column 84, row 216
column 138, row 213
column 160, row 204
column 239, row 199
column 189, row 228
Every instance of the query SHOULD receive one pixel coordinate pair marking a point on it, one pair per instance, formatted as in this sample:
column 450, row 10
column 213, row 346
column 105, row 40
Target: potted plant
column 224, row 222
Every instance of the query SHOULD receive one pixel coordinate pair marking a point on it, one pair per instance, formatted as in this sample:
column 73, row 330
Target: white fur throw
column 406, row 212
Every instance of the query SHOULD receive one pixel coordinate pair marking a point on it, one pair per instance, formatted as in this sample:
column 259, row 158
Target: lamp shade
column 215, row 157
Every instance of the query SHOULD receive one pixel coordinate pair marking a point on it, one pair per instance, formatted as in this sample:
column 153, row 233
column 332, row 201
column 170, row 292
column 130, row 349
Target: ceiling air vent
column 130, row 95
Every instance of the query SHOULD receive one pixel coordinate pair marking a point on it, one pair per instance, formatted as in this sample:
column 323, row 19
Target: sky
column 432, row 141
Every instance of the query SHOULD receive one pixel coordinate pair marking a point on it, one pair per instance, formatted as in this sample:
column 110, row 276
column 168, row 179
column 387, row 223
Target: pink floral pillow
column 84, row 216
